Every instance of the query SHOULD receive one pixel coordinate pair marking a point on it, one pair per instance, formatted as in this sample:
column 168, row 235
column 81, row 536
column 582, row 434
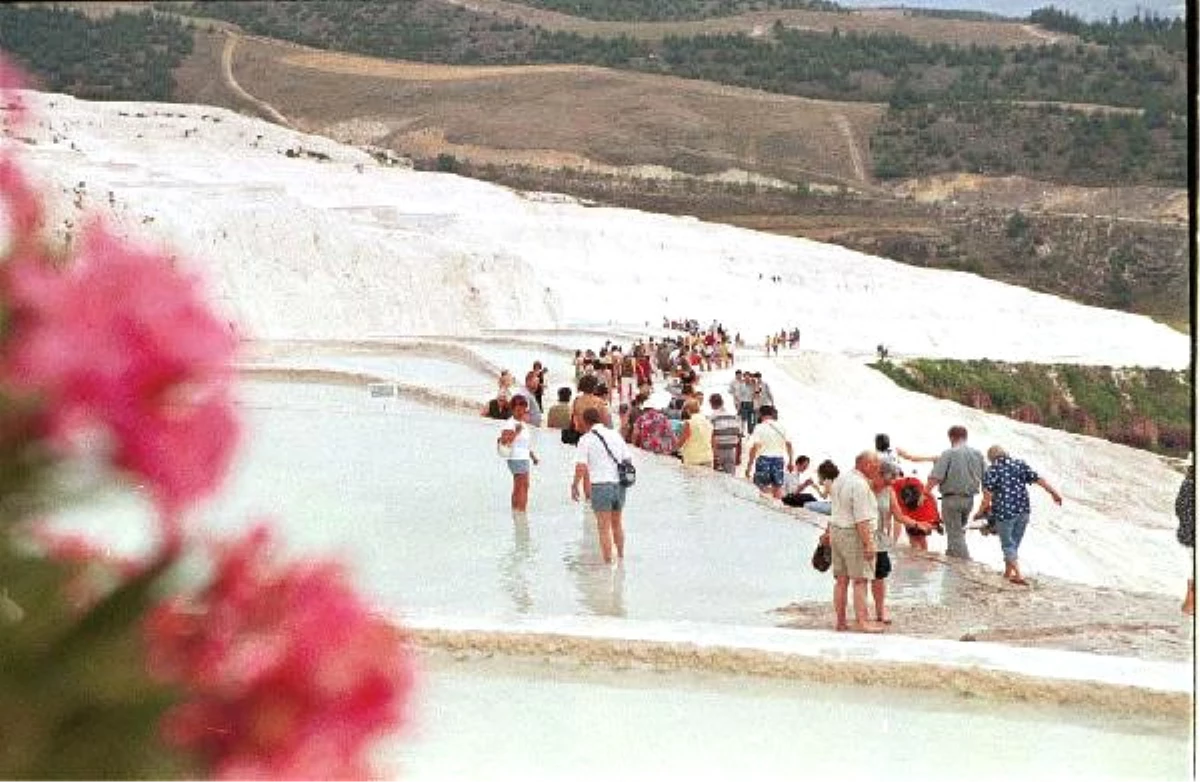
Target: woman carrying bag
column 515, row 445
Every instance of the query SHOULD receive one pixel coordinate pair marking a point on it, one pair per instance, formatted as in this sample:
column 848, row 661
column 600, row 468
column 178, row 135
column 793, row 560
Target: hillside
column 946, row 185
column 724, row 154
column 614, row 121
column 305, row 214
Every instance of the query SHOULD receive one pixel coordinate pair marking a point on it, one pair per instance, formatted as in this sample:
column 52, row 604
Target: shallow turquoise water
column 418, row 500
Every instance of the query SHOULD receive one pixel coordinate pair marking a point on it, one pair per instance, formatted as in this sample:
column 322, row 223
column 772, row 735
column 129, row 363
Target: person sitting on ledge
column 559, row 414
column 497, row 408
column 827, row 473
column 795, row 483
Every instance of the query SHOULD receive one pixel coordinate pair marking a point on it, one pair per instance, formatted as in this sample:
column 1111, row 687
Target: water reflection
column 918, row 579
column 601, row 587
column 516, row 564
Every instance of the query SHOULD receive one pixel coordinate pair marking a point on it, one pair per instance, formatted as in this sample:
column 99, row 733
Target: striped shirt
column 727, row 431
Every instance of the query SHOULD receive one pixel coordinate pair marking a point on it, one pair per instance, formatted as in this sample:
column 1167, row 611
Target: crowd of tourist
column 869, row 509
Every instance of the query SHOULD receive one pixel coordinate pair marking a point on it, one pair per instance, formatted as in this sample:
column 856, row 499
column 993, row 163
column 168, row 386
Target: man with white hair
column 851, row 532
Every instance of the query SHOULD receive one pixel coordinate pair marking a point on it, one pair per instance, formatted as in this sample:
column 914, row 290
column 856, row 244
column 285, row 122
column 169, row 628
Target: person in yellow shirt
column 695, row 441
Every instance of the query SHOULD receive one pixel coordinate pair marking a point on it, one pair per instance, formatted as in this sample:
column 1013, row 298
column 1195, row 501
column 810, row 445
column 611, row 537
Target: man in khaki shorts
column 852, row 539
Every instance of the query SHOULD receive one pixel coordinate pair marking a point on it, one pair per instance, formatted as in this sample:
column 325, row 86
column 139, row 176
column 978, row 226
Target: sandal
column 1018, row 581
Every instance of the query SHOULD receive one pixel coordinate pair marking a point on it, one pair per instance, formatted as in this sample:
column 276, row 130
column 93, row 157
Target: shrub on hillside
column 124, row 56
column 1028, row 413
column 1138, row 432
column 977, row 398
column 1148, row 409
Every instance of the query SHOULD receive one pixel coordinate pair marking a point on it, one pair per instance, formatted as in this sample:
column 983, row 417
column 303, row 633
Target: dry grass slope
column 558, row 115
column 617, row 137
column 877, row 21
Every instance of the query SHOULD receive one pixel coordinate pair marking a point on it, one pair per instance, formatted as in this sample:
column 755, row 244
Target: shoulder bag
column 626, row 472
column 504, row 451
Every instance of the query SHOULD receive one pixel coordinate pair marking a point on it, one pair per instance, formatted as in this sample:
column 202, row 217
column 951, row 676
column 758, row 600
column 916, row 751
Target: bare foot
column 842, row 628
column 1016, row 579
column 868, row 627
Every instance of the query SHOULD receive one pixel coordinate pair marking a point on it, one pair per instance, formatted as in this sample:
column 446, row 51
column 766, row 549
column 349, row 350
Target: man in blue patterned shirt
column 1006, row 502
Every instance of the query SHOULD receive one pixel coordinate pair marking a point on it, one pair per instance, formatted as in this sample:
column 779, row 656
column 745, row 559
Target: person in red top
column 915, row 508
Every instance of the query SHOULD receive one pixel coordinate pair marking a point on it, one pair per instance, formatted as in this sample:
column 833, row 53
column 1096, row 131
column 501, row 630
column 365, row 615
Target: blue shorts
column 607, row 497
column 768, row 471
column 518, row 466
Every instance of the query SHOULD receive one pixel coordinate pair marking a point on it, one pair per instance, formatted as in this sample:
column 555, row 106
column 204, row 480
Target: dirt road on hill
column 859, row 170
column 231, row 42
column 596, row 119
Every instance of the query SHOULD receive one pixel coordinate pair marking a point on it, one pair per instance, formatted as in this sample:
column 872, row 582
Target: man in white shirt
column 770, row 453
column 597, row 454
column 852, row 539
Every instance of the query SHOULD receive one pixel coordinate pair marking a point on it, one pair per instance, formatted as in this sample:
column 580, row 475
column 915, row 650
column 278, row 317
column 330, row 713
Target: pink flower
column 120, row 339
column 286, row 673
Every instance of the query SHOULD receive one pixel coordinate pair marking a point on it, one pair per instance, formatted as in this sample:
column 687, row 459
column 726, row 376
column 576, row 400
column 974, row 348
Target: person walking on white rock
column 726, row 436
column 742, row 391
column 1006, row 503
column 957, row 472
column 770, row 453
